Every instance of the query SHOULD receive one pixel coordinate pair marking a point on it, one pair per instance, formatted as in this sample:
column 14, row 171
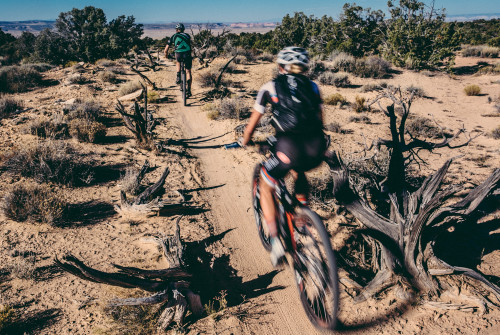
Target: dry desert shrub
column 14, row 79
column 423, row 127
column 51, row 161
column 372, row 67
column 75, row 78
column 9, row 106
column 23, row 267
column 335, row 99
column 472, row 90
column 54, row 127
column 153, row 96
column 481, row 51
column 84, row 109
column 7, row 316
column 85, row 130
column 233, row 108
column 334, row 127
column 496, row 133
column 266, row 57
column 315, row 69
column 336, row 79
column 240, row 59
column 108, row 77
column 342, row 61
column 105, row 62
column 129, row 183
column 208, row 78
column 373, row 87
column 129, row 87
column 231, row 68
column 211, row 110
column 360, row 119
column 416, row 91
column 34, row 203
column 359, row 104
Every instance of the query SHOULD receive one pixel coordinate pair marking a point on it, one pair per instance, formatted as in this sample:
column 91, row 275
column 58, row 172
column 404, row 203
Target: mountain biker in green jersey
column 300, row 142
column 182, row 43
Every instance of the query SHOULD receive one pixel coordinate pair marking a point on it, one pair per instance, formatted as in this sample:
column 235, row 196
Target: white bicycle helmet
column 293, row 55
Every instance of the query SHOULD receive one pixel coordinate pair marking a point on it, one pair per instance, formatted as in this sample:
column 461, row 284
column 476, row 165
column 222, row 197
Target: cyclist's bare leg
column 267, row 205
column 188, row 79
column 178, row 66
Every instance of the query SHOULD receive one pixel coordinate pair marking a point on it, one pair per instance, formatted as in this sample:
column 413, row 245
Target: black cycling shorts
column 186, row 58
column 301, row 154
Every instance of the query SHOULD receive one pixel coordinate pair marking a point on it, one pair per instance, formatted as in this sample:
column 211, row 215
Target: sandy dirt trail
column 231, row 210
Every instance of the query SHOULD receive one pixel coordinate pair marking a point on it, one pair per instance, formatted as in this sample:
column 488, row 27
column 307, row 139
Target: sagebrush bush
column 342, row 61
column 481, row 51
column 372, row 67
column 108, row 77
column 335, row 99
column 129, row 182
column 15, row 79
column 337, row 79
column 495, row 133
column 129, row 87
column 423, row 127
column 240, row 59
column 51, row 161
column 85, row 130
column 75, row 78
column 472, row 90
column 34, row 203
column 233, row 108
column 315, row 69
column 9, row 106
column 211, row 110
column 334, row 127
column 23, row 267
column 208, row 78
column 266, row 57
column 83, row 109
column 105, row 62
column 55, row 127
column 229, row 69
column 153, row 96
column 373, row 87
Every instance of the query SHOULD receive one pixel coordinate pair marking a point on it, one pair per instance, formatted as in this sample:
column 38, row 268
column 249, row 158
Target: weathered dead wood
column 170, row 285
column 153, row 190
column 217, row 83
column 146, row 79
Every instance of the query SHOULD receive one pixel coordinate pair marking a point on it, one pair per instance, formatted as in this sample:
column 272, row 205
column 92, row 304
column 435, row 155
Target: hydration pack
column 297, row 110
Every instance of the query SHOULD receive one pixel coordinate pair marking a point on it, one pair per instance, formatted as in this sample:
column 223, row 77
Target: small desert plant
column 51, row 161
column 23, row 267
column 240, row 59
column 75, row 78
column 315, row 69
column 232, row 108
column 211, row 110
column 496, row 133
column 108, row 76
column 105, row 62
column 334, row 127
column 14, row 79
column 129, row 183
column 373, row 87
column 423, row 127
column 129, row 87
column 34, row 203
column 85, row 130
column 481, row 51
column 208, row 78
column 472, row 90
column 55, row 127
column 360, row 104
column 342, row 61
column 337, row 79
column 335, row 99
column 133, row 319
column 8, row 107
column 416, row 91
column 360, row 118
column 372, row 67
column 7, row 316
column 83, row 109
column 266, row 57
column 153, row 96
column 40, row 67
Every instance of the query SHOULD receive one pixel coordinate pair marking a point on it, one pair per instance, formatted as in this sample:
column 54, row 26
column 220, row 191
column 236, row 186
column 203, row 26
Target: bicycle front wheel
column 316, row 270
column 259, row 218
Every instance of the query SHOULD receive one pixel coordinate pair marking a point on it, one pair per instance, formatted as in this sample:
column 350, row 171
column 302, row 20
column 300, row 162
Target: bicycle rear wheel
column 316, row 271
column 183, row 83
column 259, row 218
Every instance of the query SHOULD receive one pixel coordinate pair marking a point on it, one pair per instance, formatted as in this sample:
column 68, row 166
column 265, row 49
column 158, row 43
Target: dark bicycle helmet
column 179, row 26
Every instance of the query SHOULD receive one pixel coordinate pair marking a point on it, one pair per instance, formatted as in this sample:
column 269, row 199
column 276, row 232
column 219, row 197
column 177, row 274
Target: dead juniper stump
column 171, row 286
column 402, row 240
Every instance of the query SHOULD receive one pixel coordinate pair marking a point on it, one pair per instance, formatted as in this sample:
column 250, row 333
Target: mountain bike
column 306, row 240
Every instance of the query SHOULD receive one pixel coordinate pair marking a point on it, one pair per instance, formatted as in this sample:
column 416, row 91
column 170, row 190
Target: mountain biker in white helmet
column 297, row 118
column 182, row 43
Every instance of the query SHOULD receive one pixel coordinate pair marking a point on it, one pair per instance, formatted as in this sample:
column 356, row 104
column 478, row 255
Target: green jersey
column 181, row 41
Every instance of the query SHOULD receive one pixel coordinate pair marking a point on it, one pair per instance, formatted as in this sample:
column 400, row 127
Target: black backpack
column 298, row 107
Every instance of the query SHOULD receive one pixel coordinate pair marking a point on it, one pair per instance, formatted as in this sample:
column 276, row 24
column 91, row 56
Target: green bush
column 34, row 203
column 15, row 79
column 472, row 90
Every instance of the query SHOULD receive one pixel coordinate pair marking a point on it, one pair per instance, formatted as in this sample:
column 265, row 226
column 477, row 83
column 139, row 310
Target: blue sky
column 215, row 10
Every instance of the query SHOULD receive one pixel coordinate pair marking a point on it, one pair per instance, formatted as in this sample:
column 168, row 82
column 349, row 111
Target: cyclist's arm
column 250, row 128
column 166, row 50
